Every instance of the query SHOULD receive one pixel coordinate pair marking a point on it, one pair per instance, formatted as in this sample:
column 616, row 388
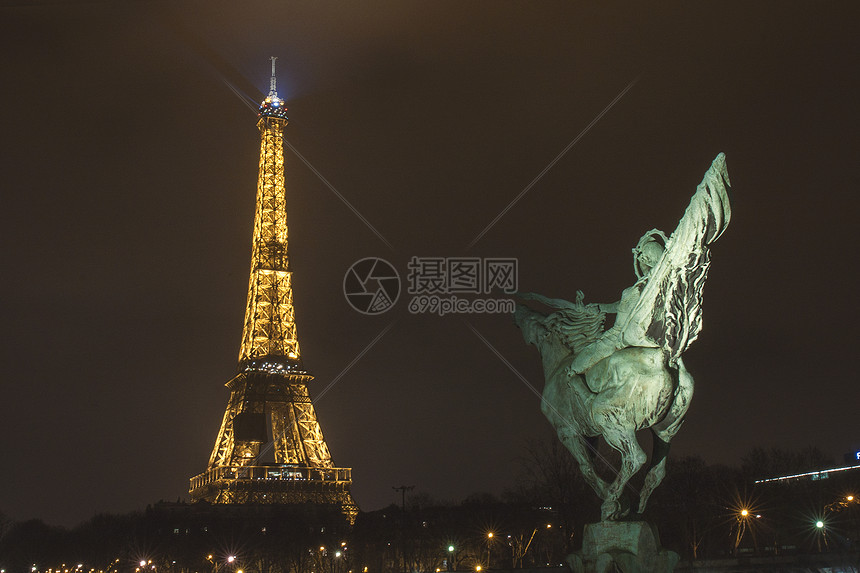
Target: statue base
column 626, row 546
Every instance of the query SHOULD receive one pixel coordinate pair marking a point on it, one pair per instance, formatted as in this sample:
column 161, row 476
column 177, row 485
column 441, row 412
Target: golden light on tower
column 269, row 395
column 270, row 327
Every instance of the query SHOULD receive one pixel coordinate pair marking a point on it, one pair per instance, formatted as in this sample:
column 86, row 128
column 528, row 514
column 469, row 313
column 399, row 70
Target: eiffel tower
column 269, row 406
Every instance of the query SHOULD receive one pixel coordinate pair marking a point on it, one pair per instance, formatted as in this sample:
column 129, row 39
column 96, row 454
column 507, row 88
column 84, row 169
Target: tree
column 761, row 463
column 550, row 478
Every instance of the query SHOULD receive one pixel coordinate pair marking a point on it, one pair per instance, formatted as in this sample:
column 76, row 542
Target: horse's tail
column 666, row 428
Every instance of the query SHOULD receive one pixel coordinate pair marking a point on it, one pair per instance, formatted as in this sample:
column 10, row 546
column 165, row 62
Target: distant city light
column 824, row 473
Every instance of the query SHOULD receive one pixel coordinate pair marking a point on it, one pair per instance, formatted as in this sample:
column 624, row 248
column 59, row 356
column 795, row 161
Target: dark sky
column 128, row 181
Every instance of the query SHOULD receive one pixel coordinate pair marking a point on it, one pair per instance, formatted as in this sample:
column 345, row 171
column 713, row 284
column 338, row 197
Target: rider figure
column 645, row 256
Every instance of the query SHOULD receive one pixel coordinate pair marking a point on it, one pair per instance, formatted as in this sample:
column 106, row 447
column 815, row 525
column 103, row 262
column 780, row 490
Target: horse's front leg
column 576, row 445
column 632, row 458
column 656, row 472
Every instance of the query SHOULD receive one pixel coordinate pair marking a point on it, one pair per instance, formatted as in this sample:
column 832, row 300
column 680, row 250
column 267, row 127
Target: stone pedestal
column 626, row 546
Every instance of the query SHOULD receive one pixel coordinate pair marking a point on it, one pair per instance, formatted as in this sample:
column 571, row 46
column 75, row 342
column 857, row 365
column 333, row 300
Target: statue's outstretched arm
column 552, row 302
column 608, row 307
column 604, row 307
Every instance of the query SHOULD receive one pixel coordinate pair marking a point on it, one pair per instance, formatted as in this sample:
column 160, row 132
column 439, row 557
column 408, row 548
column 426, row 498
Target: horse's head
column 532, row 323
column 543, row 331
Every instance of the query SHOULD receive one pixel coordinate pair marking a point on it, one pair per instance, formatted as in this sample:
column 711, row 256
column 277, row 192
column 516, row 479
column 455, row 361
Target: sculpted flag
column 669, row 311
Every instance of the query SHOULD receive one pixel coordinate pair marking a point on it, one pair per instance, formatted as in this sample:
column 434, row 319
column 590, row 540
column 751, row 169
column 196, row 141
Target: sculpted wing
column 669, row 311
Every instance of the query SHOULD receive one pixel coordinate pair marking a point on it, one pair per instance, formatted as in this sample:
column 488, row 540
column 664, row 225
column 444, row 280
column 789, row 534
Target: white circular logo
column 371, row 285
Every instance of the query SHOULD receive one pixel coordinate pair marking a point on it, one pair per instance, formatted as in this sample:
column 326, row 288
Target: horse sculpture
column 630, row 377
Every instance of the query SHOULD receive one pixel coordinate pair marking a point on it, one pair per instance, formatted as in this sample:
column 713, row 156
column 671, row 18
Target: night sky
column 128, row 178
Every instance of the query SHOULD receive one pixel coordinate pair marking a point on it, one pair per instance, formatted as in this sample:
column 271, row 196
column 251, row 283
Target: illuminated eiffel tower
column 269, row 406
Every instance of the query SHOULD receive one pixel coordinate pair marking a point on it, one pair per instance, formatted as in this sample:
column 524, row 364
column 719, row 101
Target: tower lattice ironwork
column 270, row 415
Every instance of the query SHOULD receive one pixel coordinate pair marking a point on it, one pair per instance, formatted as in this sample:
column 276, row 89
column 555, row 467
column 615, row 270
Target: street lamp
column 743, row 516
column 820, row 526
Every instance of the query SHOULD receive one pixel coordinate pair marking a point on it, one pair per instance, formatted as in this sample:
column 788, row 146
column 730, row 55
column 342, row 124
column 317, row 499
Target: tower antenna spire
column 273, row 90
column 273, row 106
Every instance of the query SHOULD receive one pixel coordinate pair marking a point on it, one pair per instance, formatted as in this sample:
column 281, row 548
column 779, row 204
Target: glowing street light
column 450, row 560
column 819, row 524
column 743, row 521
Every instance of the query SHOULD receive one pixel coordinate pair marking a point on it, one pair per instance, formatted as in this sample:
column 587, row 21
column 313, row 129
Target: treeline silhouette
column 702, row 512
